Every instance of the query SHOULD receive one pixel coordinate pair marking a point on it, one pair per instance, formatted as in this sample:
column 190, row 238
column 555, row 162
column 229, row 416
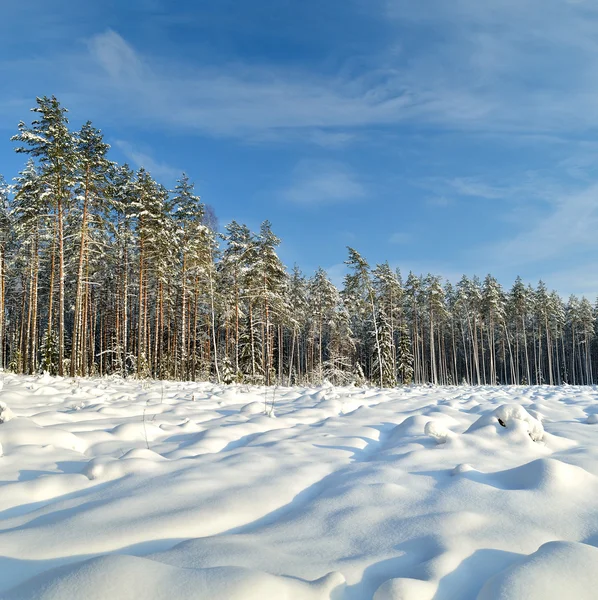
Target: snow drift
column 119, row 489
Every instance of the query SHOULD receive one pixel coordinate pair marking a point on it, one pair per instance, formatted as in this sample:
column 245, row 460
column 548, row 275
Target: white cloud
column 236, row 99
column 569, row 228
column 141, row 159
column 316, row 183
column 526, row 66
column 117, row 58
column 578, row 279
column 470, row 186
column 519, row 65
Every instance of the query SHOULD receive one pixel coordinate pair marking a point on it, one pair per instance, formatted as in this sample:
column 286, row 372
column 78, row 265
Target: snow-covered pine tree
column 323, row 299
column 493, row 311
column 188, row 213
column 270, row 280
column 5, row 234
column 235, row 274
column 28, row 225
column 117, row 275
column 383, row 366
column 404, row 356
column 297, row 310
column 388, row 288
column 146, row 212
column 358, row 295
column 436, row 314
column 250, row 343
column 415, row 310
column 587, row 320
column 227, row 373
column 91, row 181
column 518, row 305
column 49, row 140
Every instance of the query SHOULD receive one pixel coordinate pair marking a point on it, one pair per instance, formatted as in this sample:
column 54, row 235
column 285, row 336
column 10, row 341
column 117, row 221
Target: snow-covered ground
column 119, row 489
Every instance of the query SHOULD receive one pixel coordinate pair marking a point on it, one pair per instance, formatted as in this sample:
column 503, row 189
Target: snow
column 119, row 489
column 512, row 417
column 533, row 576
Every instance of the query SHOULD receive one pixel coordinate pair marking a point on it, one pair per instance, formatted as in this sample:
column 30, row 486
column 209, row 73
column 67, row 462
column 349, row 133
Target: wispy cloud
column 525, row 66
column 237, row 99
column 323, row 182
column 520, row 65
column 567, row 229
column 140, row 159
column 470, row 186
column 515, row 187
column 581, row 280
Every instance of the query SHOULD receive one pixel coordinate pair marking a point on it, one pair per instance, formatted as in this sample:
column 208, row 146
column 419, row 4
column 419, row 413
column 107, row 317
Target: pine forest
column 104, row 271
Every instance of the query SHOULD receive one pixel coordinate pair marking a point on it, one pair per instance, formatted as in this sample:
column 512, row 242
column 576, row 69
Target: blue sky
column 446, row 137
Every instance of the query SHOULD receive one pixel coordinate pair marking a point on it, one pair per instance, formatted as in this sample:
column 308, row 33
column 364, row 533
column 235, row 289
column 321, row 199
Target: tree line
column 103, row 271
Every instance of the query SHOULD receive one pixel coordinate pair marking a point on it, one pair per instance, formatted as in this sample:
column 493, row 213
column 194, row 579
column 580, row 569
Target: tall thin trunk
column 61, row 284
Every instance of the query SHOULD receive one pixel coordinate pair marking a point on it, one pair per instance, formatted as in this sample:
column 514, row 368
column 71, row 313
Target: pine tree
column 5, row 233
column 235, row 275
column 414, row 307
column 268, row 289
column 493, row 308
column 29, row 228
column 228, row 375
column 358, row 295
column 49, row 140
column 436, row 312
column 519, row 307
column 91, row 182
column 109, row 268
column 191, row 236
column 388, row 289
column 323, row 300
column 383, row 368
column 405, row 356
column 147, row 211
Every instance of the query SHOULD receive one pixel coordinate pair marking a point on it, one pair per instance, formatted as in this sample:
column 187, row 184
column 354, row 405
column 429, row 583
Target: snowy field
column 342, row 493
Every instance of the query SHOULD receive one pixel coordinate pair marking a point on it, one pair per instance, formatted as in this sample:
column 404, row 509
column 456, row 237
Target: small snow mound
column 24, row 432
column 545, row 474
column 140, row 431
column 403, row 588
column 592, row 419
column 437, row 432
column 133, row 462
column 143, row 453
column 511, row 417
column 121, row 577
column 557, row 570
column 462, row 468
column 95, row 467
column 253, row 408
column 5, row 412
column 411, row 426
